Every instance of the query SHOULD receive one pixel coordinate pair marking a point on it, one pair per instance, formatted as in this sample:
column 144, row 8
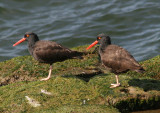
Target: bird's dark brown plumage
column 51, row 52
column 119, row 60
column 116, row 58
column 47, row 51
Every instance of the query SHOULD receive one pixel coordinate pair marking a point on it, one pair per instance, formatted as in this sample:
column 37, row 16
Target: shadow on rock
column 84, row 76
column 146, row 84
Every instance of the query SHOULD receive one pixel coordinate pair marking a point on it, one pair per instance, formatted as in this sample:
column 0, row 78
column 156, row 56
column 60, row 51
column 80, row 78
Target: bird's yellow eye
column 27, row 35
column 99, row 38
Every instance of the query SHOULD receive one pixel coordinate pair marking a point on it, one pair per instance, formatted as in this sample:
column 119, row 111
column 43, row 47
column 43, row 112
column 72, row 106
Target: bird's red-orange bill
column 93, row 44
column 20, row 41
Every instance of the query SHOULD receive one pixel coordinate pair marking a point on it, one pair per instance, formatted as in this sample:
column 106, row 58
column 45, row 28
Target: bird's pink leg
column 49, row 75
column 115, row 85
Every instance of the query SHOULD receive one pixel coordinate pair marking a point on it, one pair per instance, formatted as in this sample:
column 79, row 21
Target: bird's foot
column 115, row 85
column 44, row 79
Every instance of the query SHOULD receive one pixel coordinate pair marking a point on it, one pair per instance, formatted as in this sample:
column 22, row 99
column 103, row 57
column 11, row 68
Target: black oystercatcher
column 47, row 51
column 115, row 57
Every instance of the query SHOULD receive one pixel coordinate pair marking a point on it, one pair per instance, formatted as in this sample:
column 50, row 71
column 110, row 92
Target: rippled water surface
column 134, row 25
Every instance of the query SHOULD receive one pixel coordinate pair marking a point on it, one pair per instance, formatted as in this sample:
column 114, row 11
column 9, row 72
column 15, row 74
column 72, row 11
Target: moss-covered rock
column 77, row 86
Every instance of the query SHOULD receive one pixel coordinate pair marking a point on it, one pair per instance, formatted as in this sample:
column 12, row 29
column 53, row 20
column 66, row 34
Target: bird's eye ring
column 99, row 38
column 27, row 35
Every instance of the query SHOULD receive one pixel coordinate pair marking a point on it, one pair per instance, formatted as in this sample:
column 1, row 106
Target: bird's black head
column 30, row 36
column 104, row 39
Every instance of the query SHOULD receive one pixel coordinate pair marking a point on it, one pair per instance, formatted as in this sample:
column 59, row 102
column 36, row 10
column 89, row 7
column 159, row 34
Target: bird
column 116, row 58
column 47, row 52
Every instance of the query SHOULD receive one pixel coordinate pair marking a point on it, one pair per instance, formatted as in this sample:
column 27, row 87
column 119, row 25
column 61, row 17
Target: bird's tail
column 78, row 54
column 141, row 70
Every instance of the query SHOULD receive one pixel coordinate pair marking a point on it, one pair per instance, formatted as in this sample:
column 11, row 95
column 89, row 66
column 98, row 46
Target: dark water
column 135, row 24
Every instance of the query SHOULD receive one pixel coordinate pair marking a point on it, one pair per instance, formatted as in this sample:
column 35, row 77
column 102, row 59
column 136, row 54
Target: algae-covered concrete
column 76, row 86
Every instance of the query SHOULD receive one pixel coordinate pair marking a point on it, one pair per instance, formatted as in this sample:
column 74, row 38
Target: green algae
column 77, row 85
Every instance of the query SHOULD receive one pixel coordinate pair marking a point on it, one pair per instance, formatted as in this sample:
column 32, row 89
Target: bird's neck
column 102, row 47
column 31, row 44
column 104, row 42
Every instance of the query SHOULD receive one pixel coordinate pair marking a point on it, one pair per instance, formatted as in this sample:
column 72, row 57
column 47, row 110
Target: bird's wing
column 51, row 51
column 119, row 59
